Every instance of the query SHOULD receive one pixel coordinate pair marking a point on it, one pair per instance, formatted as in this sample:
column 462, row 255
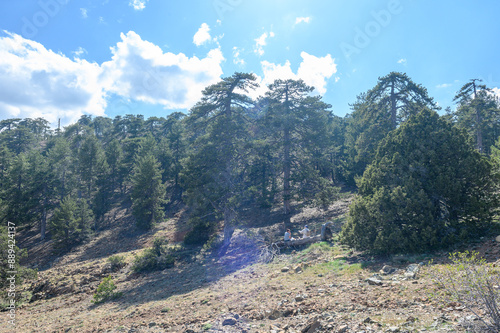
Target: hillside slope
column 321, row 288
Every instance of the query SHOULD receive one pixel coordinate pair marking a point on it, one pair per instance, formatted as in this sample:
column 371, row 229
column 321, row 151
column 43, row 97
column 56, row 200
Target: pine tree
column 378, row 111
column 213, row 176
column 91, row 163
column 478, row 112
column 297, row 126
column 148, row 191
column 70, row 224
column 426, row 188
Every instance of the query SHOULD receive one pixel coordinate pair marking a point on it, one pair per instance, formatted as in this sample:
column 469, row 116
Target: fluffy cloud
column 261, row 42
column 36, row 82
column 141, row 71
column 302, row 20
column 315, row 71
column 236, row 57
column 496, row 92
column 443, row 85
column 138, row 4
column 84, row 12
column 202, row 35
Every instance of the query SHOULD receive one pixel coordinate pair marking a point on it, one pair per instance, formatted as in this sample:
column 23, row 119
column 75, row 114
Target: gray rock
column 229, row 322
column 374, row 282
column 386, row 270
column 343, row 329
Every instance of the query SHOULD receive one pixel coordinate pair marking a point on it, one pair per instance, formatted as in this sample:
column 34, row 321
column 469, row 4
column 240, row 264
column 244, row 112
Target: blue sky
column 65, row 58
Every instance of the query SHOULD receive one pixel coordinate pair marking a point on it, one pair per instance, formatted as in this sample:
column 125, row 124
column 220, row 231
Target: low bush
column 473, row 283
column 117, row 262
column 158, row 257
column 106, row 291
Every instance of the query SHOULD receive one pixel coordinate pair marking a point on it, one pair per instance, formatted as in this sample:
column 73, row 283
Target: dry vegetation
column 321, row 288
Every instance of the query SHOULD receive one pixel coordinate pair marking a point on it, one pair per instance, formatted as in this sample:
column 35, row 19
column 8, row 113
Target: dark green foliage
column 426, row 188
column 478, row 113
column 214, row 171
column 378, row 111
column 71, row 223
column 106, row 291
column 296, row 126
column 148, row 191
column 158, row 257
column 199, row 235
column 117, row 262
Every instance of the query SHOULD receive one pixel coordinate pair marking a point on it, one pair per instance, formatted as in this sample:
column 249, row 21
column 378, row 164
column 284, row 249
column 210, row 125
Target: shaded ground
column 302, row 290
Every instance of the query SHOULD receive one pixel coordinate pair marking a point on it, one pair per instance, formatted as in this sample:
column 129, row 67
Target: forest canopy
column 424, row 180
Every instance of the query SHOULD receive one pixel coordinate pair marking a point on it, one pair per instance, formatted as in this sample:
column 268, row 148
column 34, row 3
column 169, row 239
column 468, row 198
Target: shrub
column 473, row 283
column 156, row 258
column 106, row 291
column 199, row 235
column 117, row 262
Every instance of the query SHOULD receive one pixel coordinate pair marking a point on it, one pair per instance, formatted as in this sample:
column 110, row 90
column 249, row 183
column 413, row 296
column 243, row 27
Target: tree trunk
column 43, row 224
column 229, row 227
column 286, row 165
column 479, row 132
column 393, row 107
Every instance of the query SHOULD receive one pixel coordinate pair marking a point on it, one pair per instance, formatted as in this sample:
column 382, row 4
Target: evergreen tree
column 70, row 224
column 478, row 113
column 375, row 113
column 213, row 174
column 91, row 163
column 426, row 188
column 297, row 127
column 148, row 191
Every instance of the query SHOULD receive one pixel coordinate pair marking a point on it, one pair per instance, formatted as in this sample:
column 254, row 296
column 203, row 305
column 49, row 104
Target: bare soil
column 322, row 288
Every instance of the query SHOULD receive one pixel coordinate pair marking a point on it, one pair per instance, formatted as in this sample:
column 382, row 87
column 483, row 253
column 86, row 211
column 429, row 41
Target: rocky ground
column 319, row 288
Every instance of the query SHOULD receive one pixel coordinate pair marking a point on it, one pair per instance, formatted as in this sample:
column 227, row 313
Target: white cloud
column 78, row 53
column 261, row 42
column 402, row 61
column 444, row 85
column 141, row 71
column 84, row 12
column 36, row 82
column 202, row 35
column 315, row 71
column 496, row 91
column 138, row 4
column 236, row 57
column 302, row 20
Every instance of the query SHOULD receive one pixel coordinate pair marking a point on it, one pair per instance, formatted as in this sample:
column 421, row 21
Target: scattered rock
column 312, row 327
column 343, row 329
column 229, row 322
column 374, row 281
column 412, row 271
column 386, row 270
column 285, row 269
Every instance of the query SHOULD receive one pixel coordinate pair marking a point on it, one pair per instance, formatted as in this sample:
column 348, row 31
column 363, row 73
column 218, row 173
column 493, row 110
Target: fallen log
column 300, row 241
